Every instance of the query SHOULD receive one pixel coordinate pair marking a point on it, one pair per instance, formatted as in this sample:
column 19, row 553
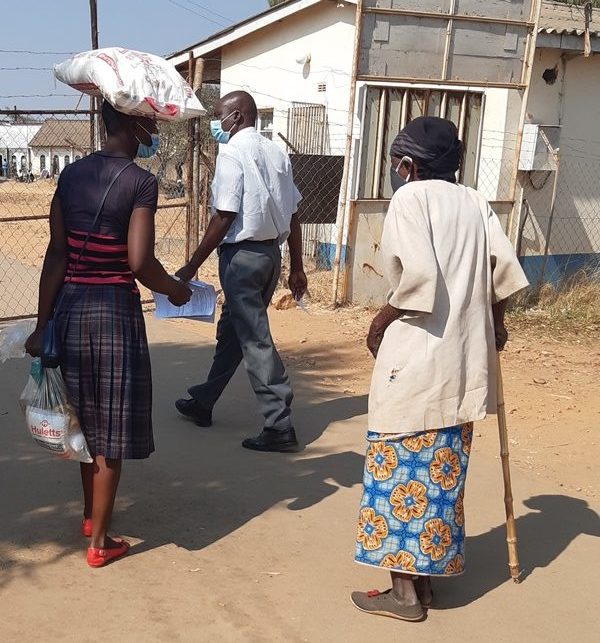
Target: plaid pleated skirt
column 106, row 366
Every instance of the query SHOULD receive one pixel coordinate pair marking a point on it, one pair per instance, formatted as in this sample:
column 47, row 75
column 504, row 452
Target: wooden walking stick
column 511, row 528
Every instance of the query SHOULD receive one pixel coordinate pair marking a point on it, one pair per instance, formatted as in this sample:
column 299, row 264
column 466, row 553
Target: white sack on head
column 132, row 82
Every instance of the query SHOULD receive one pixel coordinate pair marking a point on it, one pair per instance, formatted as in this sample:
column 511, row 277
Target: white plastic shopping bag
column 50, row 418
column 13, row 338
column 133, row 82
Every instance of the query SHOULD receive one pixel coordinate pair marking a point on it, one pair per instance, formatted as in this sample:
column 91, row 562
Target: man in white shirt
column 255, row 201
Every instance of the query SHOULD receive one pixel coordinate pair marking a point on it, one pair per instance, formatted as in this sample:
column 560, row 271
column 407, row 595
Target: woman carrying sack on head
column 101, row 240
column 451, row 270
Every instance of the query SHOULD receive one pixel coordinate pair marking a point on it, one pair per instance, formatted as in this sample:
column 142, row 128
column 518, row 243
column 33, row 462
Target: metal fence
column 559, row 224
column 35, row 147
column 556, row 228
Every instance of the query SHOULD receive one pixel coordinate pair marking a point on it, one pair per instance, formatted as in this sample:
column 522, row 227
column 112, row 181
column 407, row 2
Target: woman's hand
column 33, row 345
column 375, row 337
column 501, row 335
column 500, row 332
column 384, row 318
column 180, row 294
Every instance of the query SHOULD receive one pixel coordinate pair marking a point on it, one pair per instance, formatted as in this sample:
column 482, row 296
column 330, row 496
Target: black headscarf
column 432, row 142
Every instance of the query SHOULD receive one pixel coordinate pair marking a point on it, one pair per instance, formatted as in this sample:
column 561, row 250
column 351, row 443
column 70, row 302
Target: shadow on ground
column 543, row 534
column 198, row 487
column 201, row 486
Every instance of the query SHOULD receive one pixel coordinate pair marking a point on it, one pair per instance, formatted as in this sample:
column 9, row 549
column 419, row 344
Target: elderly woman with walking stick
column 451, row 270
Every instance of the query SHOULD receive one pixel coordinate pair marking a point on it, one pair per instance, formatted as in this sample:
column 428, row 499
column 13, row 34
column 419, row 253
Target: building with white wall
column 291, row 56
column 15, row 153
column 58, row 143
column 298, row 56
column 295, row 59
column 565, row 98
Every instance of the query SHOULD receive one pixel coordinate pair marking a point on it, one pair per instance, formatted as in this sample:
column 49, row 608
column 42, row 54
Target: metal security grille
column 308, row 129
column 388, row 109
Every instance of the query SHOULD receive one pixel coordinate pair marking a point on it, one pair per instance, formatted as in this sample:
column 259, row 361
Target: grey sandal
column 384, row 604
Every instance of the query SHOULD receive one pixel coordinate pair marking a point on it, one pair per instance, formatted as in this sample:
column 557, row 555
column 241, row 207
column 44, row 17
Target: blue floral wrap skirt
column 411, row 516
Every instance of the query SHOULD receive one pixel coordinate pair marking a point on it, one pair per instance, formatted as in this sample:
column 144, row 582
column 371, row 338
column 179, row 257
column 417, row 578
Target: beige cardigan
column 436, row 366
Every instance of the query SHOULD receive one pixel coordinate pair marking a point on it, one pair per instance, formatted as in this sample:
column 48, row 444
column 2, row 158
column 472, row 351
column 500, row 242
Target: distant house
column 15, row 154
column 58, row 143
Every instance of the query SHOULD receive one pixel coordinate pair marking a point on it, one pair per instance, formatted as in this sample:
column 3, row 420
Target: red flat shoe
column 99, row 556
column 86, row 527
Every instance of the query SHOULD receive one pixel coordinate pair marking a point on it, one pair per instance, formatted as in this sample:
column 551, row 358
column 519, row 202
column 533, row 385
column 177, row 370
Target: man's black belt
column 266, row 242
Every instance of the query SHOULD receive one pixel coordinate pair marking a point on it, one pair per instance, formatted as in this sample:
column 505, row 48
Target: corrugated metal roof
column 59, row 133
column 567, row 19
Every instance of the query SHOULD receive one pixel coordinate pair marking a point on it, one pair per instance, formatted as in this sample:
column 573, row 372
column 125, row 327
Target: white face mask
column 396, row 179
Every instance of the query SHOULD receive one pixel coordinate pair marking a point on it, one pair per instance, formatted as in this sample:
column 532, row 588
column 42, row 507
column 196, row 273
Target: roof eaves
column 243, row 28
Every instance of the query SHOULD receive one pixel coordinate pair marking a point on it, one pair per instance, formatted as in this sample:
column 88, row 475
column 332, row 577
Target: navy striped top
column 80, row 188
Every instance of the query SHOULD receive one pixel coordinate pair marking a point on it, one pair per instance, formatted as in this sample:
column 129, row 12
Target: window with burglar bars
column 265, row 123
column 388, row 109
column 308, row 130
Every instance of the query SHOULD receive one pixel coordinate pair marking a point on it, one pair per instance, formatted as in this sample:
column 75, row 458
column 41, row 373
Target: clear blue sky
column 156, row 26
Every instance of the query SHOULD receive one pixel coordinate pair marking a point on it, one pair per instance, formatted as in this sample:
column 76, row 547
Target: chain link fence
column 318, row 178
column 559, row 231
column 556, row 229
column 35, row 147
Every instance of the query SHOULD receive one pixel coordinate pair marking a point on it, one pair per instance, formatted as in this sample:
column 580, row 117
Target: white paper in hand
column 201, row 306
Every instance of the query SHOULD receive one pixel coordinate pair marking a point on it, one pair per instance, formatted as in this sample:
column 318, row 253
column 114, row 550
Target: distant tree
column 173, row 150
column 274, row 3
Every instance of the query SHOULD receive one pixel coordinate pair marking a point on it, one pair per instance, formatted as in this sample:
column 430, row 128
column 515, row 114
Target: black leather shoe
column 195, row 411
column 270, row 440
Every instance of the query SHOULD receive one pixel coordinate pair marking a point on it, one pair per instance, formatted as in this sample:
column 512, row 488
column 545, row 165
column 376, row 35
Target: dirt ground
column 234, row 546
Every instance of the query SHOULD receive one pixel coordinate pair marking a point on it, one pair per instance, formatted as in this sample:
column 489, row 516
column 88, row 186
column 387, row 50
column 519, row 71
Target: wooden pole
column 341, row 215
column 190, row 248
column 94, row 23
column 94, row 102
column 534, row 18
column 556, row 159
column 350, row 247
column 196, row 170
column 511, row 528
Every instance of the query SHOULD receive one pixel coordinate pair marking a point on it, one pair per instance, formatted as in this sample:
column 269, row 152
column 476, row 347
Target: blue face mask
column 146, row 151
column 217, row 131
